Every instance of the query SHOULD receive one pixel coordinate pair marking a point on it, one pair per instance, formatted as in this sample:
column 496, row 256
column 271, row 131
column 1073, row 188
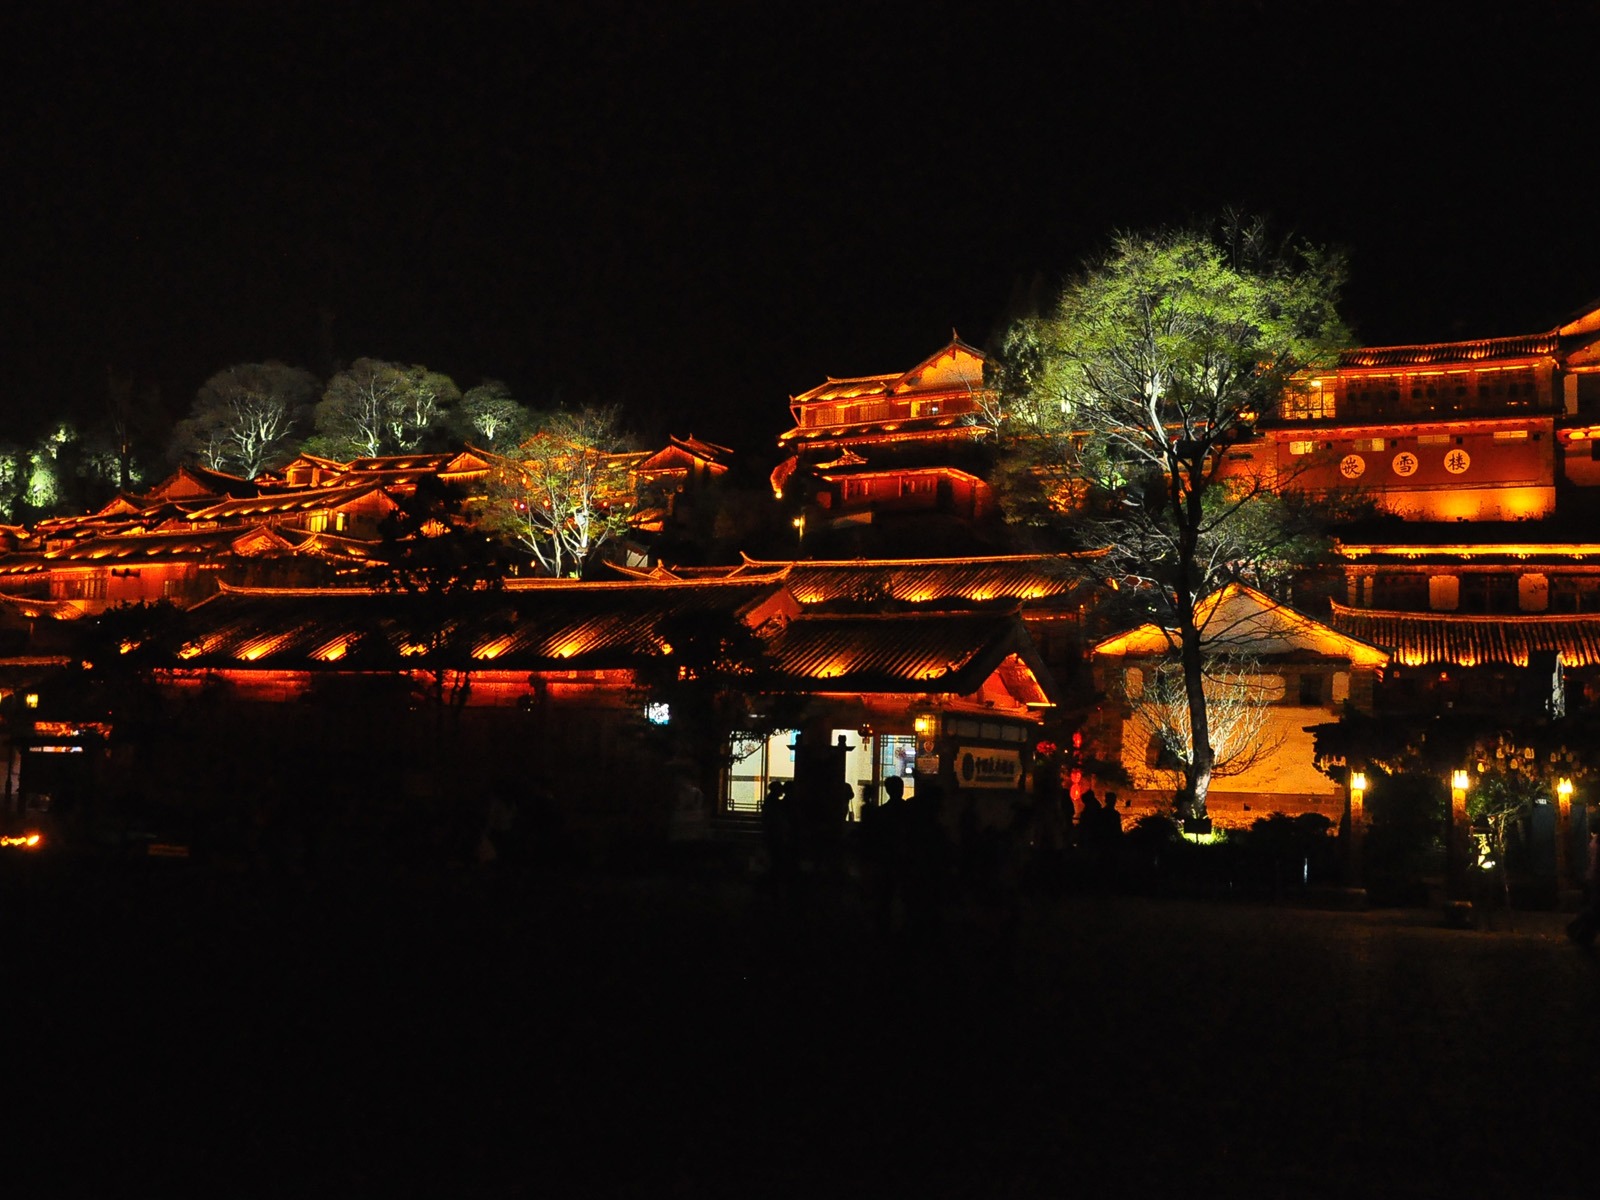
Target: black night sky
column 698, row 209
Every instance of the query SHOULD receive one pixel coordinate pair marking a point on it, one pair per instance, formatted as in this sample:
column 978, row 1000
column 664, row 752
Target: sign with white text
column 982, row 767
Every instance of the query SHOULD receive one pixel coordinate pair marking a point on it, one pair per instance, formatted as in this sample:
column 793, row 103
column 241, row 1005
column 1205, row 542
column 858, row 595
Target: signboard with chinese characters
column 984, row 767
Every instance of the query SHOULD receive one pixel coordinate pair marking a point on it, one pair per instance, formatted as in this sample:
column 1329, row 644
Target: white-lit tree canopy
column 376, row 408
column 244, row 418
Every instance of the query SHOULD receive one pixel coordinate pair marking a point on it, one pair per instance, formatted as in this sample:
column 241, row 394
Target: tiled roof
column 574, row 626
column 888, row 429
column 1241, row 620
column 1026, row 578
column 22, row 563
column 402, row 462
column 1464, row 640
column 281, row 503
column 1527, row 346
column 144, row 546
column 562, row 626
column 895, row 652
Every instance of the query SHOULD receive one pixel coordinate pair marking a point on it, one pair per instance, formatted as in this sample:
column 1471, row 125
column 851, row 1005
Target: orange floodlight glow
column 493, row 649
column 24, row 841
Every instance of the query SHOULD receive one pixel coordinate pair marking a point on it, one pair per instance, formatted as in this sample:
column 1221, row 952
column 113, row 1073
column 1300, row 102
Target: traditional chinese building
column 1302, row 673
column 1483, row 430
column 871, row 447
column 546, row 680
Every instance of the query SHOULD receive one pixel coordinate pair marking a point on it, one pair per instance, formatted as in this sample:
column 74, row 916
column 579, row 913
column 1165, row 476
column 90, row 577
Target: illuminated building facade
column 1301, row 673
column 1483, row 430
column 873, row 447
column 545, row 681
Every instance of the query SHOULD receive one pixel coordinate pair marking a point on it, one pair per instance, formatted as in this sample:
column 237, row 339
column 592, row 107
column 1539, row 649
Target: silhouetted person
column 1090, row 830
column 883, row 850
column 926, row 855
column 777, row 827
column 1112, row 818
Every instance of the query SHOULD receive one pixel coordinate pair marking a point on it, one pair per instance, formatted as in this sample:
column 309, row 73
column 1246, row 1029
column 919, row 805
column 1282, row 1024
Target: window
column 1158, row 756
column 748, row 777
column 897, row 758
column 1486, row 593
column 1312, row 691
column 80, row 587
column 1574, row 593
column 1405, row 592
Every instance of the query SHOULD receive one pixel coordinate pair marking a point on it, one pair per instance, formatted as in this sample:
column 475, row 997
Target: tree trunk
column 1185, row 499
column 1202, row 759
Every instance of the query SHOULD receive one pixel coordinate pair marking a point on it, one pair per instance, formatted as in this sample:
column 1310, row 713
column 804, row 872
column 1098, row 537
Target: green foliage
column 1124, row 402
column 563, row 493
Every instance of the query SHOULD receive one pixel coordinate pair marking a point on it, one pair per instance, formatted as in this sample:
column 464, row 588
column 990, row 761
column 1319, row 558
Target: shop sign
column 983, row 767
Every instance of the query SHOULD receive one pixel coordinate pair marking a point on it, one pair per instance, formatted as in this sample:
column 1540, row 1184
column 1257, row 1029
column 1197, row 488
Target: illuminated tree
column 489, row 414
column 564, row 492
column 1125, row 400
column 376, row 408
column 1238, row 709
column 244, row 417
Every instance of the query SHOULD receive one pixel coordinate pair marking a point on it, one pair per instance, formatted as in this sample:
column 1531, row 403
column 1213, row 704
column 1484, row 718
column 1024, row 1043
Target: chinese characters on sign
column 1457, row 461
column 1405, row 463
column 988, row 768
column 1351, row 466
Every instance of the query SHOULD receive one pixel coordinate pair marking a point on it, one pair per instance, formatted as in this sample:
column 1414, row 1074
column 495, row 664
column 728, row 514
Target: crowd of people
column 913, row 854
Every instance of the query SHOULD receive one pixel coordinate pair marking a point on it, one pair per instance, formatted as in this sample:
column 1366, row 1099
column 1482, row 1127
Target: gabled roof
column 328, row 545
column 955, row 367
column 310, row 460
column 188, row 482
column 259, row 541
column 1470, row 640
column 120, row 505
column 686, row 453
column 1243, row 621
column 920, row 653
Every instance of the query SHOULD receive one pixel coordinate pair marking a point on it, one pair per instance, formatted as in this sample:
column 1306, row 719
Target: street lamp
column 1456, row 844
column 1564, row 848
column 1358, row 816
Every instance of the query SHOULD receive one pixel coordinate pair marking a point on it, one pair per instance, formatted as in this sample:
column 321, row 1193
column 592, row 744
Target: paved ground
column 180, row 1032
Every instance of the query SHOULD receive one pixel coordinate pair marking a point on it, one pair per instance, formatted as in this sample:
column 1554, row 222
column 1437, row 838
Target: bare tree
column 376, row 408
column 1238, row 704
column 245, row 417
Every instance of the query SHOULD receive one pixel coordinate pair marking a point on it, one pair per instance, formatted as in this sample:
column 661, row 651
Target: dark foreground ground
column 174, row 1031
